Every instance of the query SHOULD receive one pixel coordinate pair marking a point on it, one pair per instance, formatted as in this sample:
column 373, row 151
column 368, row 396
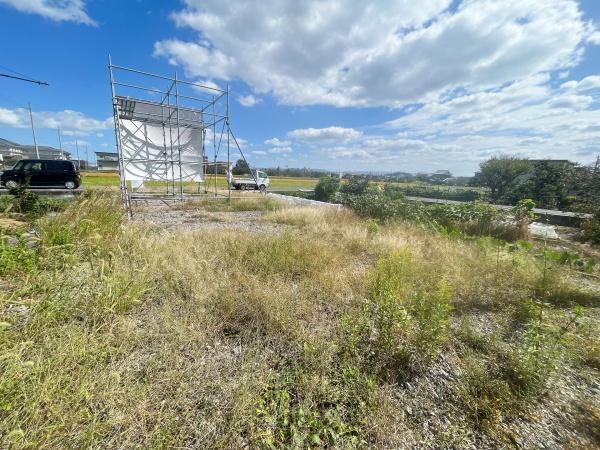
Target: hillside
column 266, row 326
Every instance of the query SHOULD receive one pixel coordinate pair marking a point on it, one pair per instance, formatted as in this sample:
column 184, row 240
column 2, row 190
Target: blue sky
column 381, row 85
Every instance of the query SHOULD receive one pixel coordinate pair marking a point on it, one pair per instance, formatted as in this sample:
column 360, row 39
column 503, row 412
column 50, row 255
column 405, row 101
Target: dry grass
column 320, row 336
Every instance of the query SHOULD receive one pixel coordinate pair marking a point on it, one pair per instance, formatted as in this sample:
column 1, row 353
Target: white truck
column 261, row 183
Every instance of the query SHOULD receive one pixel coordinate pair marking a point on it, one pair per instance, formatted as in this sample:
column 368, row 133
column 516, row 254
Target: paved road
column 58, row 193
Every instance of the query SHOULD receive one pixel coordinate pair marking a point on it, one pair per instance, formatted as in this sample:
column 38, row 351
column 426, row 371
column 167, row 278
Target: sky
column 383, row 85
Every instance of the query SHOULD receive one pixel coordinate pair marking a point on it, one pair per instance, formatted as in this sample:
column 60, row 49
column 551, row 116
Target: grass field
column 333, row 332
column 98, row 179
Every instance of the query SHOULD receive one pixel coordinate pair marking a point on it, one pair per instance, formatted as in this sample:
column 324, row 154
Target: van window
column 33, row 166
column 59, row 166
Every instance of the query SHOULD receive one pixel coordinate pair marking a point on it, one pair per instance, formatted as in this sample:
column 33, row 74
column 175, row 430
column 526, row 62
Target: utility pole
column 87, row 158
column 62, row 155
column 37, row 151
column 78, row 159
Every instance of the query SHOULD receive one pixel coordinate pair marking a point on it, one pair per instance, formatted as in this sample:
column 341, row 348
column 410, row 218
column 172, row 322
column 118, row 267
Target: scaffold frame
column 205, row 113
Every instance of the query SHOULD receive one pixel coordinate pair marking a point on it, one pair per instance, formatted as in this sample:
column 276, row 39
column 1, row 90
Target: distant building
column 107, row 161
column 11, row 152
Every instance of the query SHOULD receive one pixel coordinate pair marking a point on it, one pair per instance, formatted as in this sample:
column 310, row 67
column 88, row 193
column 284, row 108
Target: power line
column 41, row 83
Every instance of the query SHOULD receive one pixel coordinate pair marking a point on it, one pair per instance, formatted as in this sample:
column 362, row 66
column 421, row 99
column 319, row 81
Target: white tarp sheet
column 148, row 154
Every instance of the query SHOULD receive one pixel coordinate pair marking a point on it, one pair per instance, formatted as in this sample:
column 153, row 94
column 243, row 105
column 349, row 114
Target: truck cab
column 262, row 182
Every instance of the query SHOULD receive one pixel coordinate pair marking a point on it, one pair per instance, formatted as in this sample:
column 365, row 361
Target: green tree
column 549, row 184
column 241, row 167
column 326, row 188
column 500, row 173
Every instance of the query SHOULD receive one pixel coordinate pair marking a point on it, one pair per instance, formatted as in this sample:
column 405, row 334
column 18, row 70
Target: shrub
column 474, row 218
column 384, row 208
column 355, row 186
column 24, row 201
column 465, row 195
column 326, row 188
column 403, row 325
column 591, row 228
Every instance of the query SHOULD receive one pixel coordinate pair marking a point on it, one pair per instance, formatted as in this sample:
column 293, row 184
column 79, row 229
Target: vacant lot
column 264, row 326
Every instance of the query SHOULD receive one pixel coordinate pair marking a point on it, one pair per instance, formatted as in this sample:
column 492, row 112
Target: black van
column 38, row 173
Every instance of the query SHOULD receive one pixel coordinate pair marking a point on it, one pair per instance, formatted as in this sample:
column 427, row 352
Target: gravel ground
column 197, row 219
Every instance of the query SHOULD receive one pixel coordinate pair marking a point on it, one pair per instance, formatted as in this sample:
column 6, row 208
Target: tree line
column 552, row 184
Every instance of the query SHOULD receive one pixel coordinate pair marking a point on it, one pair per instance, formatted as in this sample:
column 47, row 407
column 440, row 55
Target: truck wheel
column 262, row 188
column 70, row 185
column 12, row 184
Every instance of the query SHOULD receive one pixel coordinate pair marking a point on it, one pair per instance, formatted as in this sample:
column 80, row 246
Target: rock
column 11, row 240
column 31, row 244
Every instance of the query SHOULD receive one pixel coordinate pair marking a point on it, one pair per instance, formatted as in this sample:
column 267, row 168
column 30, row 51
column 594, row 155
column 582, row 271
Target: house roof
column 5, row 143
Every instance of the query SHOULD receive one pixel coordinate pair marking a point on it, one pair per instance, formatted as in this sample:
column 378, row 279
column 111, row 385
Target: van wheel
column 262, row 188
column 12, row 184
column 70, row 185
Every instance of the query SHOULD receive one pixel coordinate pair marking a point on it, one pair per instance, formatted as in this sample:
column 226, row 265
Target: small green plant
column 523, row 211
column 485, row 396
column 372, row 227
column 531, row 360
column 17, row 258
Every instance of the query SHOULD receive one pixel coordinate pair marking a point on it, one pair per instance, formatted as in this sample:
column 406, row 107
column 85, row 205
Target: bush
column 403, row 325
column 326, row 188
column 473, row 218
column 23, row 201
column 375, row 205
column 465, row 195
column 355, row 186
column 591, row 228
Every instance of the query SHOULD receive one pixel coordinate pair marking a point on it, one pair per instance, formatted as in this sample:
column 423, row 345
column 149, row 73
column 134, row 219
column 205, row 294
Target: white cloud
column 72, row 123
column 330, row 135
column 248, row 100
column 206, row 84
column 588, row 83
column 531, row 117
column 275, row 142
column 258, row 152
column 348, row 53
column 10, row 118
column 57, row 10
column 280, row 150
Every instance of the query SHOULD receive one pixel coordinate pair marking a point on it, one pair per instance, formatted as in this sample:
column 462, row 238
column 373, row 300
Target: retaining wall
column 304, row 201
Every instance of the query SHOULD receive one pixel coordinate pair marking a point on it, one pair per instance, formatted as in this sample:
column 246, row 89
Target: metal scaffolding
column 164, row 136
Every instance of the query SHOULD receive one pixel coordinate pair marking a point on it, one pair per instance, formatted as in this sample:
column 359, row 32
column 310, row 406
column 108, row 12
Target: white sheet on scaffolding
column 148, row 155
